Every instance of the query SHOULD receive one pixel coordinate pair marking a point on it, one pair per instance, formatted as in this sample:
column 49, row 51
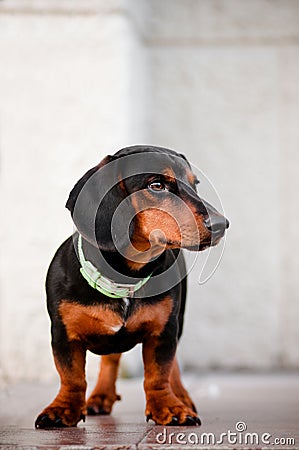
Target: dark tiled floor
column 267, row 405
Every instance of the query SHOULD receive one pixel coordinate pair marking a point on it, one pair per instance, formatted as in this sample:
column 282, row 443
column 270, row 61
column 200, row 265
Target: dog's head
column 144, row 198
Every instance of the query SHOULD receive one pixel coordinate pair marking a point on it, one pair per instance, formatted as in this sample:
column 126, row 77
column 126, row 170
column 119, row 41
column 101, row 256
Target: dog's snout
column 216, row 224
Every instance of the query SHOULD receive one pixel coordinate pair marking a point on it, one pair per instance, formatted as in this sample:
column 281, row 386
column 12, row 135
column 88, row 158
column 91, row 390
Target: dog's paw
column 101, row 404
column 172, row 414
column 58, row 417
column 187, row 401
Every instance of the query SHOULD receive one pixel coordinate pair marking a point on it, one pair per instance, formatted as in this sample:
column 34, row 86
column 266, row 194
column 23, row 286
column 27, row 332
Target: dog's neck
column 118, row 267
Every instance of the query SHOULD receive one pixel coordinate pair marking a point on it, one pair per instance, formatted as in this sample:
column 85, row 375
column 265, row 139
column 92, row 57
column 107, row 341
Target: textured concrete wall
column 224, row 89
column 65, row 95
column 216, row 80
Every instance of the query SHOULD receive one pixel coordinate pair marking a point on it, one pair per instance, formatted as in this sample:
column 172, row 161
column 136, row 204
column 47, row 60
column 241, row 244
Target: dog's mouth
column 211, row 241
column 196, row 247
column 199, row 247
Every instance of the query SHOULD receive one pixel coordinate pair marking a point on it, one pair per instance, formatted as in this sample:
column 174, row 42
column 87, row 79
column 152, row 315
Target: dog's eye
column 156, row 185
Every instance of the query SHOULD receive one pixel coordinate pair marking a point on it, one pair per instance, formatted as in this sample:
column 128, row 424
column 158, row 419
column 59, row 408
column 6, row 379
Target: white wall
column 216, row 80
column 224, row 90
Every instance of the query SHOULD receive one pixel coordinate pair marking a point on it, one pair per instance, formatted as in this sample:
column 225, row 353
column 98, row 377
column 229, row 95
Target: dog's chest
column 83, row 321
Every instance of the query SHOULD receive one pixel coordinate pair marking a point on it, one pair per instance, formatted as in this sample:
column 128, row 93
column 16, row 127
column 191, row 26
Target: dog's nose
column 216, row 224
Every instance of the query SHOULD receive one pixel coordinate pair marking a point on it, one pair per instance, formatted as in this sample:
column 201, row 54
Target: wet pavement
column 239, row 411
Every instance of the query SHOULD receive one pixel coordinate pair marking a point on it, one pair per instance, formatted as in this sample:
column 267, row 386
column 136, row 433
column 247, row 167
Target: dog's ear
column 93, row 202
column 73, row 196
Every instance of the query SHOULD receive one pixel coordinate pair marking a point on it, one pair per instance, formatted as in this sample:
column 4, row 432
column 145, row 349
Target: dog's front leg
column 162, row 405
column 68, row 408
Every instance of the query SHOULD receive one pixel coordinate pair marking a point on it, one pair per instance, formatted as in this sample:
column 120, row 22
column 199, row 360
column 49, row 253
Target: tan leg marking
column 162, row 405
column 178, row 388
column 104, row 394
column 68, row 408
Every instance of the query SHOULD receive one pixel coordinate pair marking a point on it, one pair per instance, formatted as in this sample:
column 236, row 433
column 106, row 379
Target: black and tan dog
column 120, row 280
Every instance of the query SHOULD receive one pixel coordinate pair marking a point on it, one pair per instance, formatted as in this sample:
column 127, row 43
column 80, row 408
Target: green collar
column 103, row 284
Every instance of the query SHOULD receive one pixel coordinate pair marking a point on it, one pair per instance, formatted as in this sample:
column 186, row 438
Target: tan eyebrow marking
column 169, row 173
column 191, row 177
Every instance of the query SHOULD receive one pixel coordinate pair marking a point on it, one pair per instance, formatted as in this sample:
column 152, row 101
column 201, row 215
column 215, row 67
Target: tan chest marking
column 151, row 318
column 81, row 321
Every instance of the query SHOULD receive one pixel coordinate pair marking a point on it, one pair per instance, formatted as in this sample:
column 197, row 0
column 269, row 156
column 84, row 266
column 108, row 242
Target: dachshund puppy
column 120, row 280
